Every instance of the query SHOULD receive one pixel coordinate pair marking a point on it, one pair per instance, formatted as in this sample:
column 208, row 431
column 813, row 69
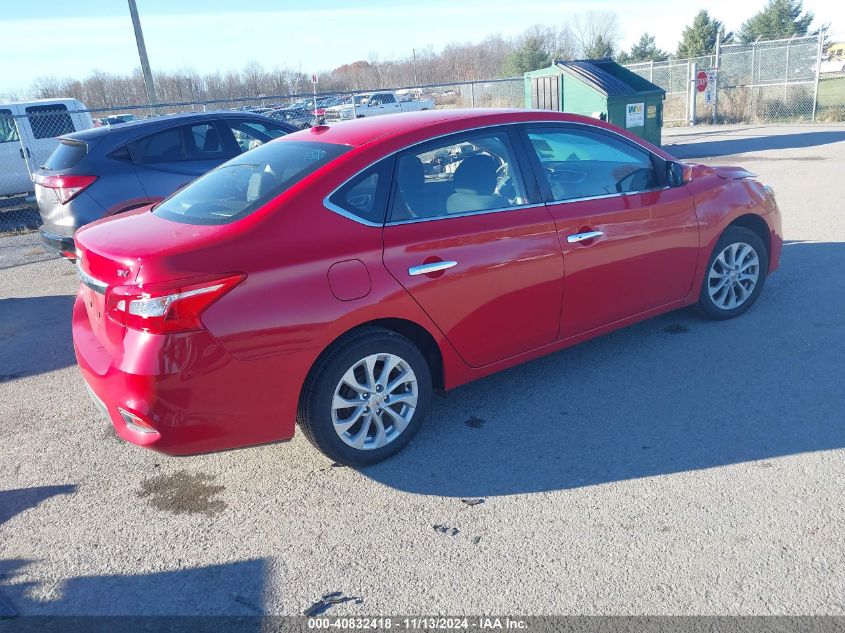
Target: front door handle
column 433, row 267
column 583, row 237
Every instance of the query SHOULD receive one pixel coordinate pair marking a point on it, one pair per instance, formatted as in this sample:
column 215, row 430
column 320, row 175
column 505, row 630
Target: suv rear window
column 67, row 154
column 242, row 185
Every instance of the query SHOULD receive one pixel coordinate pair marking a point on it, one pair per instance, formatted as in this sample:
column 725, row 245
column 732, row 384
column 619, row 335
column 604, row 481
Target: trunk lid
column 114, row 251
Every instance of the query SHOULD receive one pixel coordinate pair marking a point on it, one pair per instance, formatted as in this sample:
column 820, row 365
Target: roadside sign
column 314, row 78
column 710, row 86
column 701, row 80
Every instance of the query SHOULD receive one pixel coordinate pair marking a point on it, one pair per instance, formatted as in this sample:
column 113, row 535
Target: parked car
column 115, row 119
column 297, row 117
column 374, row 104
column 334, row 278
column 112, row 169
column 28, row 131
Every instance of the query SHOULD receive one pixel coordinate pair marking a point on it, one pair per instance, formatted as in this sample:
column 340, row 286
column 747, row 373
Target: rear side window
column 365, row 196
column 245, row 183
column 162, row 147
column 66, row 155
column 8, row 129
column 48, row 121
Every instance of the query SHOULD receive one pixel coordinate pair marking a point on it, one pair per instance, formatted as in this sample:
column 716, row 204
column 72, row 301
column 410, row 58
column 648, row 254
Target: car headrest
column 476, row 174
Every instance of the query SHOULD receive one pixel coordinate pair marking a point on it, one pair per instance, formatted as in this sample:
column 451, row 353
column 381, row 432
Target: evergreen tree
column 699, row 38
column 643, row 51
column 530, row 56
column 599, row 48
column 778, row 19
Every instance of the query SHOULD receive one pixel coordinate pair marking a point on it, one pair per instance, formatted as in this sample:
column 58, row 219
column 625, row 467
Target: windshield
column 242, row 185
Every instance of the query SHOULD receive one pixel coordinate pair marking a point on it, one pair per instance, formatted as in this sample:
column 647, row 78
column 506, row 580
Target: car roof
column 140, row 126
column 365, row 130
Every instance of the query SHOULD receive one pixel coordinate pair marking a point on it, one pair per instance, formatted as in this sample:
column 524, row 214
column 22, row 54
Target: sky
column 77, row 36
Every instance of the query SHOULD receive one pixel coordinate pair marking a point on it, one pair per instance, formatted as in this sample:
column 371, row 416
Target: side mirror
column 676, row 173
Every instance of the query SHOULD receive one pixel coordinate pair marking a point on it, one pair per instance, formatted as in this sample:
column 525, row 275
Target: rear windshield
column 67, row 154
column 245, row 183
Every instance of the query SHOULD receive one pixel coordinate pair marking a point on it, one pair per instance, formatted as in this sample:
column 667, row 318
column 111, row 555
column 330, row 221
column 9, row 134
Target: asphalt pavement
column 678, row 466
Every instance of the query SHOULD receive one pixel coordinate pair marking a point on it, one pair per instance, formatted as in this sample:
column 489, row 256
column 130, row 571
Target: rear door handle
column 583, row 237
column 433, row 267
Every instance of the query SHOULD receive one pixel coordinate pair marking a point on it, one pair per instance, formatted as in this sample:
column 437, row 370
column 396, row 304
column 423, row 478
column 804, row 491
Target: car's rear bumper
column 192, row 396
column 59, row 244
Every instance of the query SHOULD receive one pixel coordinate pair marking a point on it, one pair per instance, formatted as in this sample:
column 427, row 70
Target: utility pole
column 414, row 52
column 142, row 53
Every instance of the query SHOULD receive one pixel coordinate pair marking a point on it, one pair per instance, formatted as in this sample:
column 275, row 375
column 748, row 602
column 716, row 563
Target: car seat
column 475, row 184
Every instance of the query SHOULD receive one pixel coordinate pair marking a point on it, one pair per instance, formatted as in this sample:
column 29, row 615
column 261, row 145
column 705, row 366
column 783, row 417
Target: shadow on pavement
column 672, row 394
column 731, row 146
column 35, row 335
column 234, row 589
column 14, row 502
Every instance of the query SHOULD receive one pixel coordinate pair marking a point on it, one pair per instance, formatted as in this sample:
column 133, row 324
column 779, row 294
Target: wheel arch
column 416, row 333
column 755, row 223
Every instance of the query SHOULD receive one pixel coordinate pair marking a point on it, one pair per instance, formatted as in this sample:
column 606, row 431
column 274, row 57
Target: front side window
column 8, row 129
column 469, row 173
column 48, row 121
column 250, row 134
column 247, row 182
column 583, row 164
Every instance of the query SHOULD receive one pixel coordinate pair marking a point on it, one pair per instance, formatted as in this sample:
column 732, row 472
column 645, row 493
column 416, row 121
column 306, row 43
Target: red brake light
column 67, row 187
column 168, row 307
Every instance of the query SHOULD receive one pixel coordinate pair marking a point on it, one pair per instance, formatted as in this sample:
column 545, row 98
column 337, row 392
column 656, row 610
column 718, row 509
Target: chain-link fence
column 775, row 81
column 761, row 82
column 29, row 131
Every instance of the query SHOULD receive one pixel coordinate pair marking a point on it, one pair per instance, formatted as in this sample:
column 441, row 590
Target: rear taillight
column 168, row 307
column 66, row 187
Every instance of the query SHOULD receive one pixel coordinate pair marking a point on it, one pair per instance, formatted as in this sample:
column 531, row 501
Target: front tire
column 735, row 274
column 365, row 398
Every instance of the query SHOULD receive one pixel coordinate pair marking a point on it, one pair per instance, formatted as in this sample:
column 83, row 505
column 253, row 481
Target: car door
column 171, row 158
column 629, row 242
column 473, row 245
column 14, row 175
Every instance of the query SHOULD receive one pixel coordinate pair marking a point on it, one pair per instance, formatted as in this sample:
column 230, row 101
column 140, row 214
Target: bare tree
column 596, row 32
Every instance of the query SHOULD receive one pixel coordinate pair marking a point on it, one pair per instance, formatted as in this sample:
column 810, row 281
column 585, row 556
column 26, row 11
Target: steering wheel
column 504, row 183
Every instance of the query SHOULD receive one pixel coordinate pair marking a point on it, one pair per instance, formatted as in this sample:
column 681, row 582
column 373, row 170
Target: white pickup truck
column 376, row 103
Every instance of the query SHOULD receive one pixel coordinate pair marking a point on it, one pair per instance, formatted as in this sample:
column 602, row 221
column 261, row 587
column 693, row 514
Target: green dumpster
column 599, row 88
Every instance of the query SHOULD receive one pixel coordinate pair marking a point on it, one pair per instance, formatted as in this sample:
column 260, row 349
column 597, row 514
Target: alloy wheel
column 733, row 276
column 374, row 401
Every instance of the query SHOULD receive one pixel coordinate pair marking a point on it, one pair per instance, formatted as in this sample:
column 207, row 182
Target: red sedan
column 336, row 276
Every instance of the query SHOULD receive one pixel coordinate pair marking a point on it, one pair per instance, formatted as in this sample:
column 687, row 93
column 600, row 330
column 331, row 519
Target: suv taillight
column 167, row 307
column 67, row 187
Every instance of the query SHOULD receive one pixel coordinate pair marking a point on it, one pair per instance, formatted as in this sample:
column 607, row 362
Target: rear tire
column 735, row 274
column 386, row 383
